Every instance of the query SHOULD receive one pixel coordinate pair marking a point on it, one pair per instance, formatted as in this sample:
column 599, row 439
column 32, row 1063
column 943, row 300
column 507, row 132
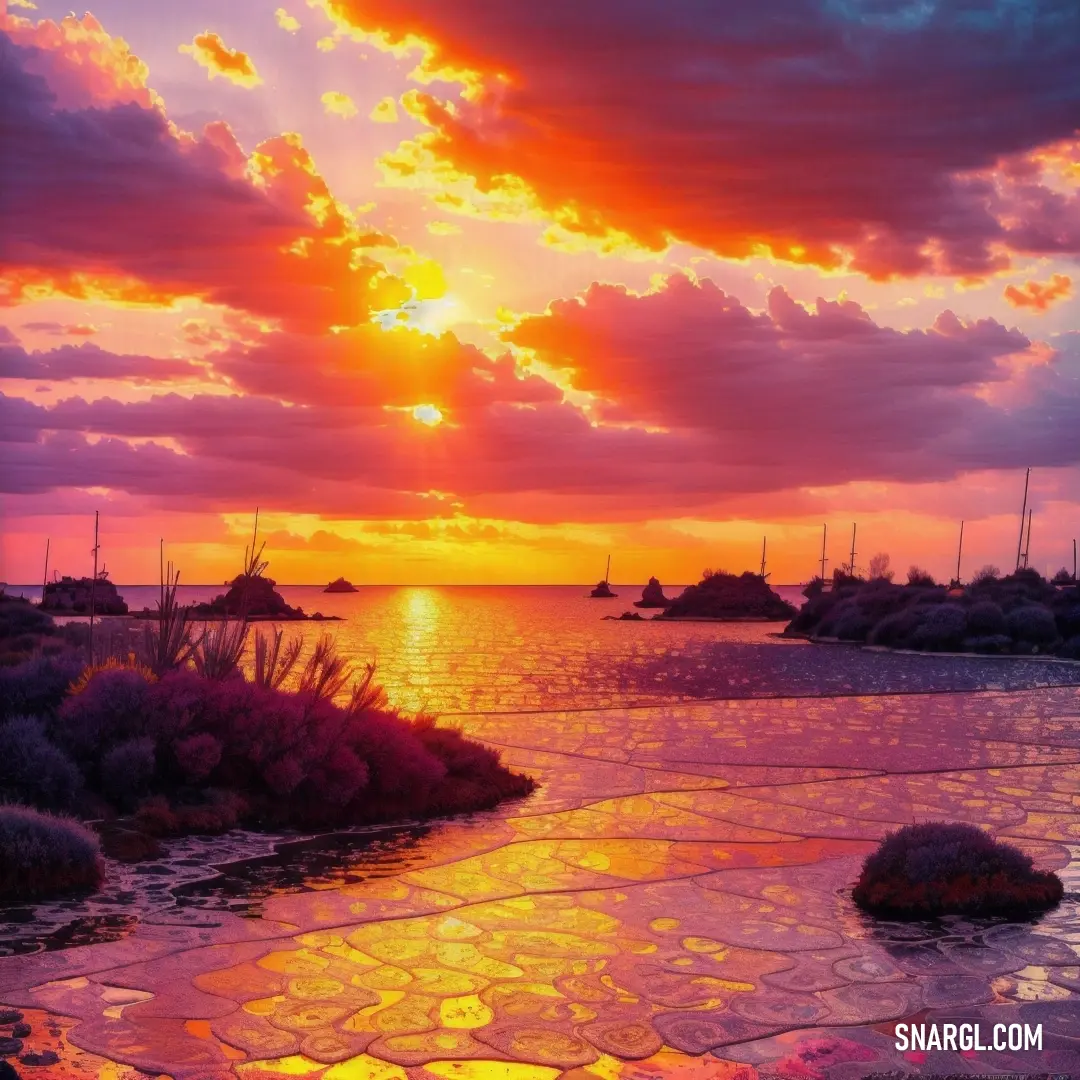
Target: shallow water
column 673, row 901
column 678, row 884
column 465, row 649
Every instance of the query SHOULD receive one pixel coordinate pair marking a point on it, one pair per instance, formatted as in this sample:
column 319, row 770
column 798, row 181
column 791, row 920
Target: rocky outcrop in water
column 728, row 597
column 340, row 585
column 251, row 595
column 72, row 596
column 652, row 596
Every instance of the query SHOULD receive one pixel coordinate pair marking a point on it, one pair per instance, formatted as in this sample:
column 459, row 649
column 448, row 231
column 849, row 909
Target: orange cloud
column 338, row 104
column 767, row 157
column 160, row 214
column 1040, row 297
column 213, row 54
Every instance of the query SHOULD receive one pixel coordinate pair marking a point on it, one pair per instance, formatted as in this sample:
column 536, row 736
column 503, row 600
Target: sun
column 427, row 414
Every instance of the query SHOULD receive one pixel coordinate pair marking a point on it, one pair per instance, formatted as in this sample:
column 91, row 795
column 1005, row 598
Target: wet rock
column 7, row 1071
column 46, row 1057
column 9, row 1047
column 128, row 845
column 20, row 1031
column 10, row 1016
column 652, row 596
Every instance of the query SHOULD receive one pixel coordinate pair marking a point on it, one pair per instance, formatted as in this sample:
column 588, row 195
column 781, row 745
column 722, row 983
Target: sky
column 484, row 292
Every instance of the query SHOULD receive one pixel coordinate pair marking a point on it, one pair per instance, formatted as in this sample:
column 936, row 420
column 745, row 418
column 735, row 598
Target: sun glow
column 427, row 414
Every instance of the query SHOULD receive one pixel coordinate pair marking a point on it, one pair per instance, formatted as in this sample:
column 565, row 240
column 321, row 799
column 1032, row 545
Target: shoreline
column 864, row 647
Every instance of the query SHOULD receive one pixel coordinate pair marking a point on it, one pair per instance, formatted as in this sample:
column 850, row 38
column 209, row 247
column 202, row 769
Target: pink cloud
column 704, row 404
column 112, row 200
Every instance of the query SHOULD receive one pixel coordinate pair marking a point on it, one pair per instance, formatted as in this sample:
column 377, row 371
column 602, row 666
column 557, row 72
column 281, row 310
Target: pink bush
column 197, row 756
column 289, row 757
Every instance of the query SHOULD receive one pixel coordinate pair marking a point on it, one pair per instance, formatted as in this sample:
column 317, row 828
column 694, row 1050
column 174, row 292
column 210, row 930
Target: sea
column 468, row 649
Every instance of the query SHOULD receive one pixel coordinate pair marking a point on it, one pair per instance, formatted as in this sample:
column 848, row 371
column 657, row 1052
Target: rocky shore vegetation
column 1020, row 614
column 176, row 737
column 723, row 596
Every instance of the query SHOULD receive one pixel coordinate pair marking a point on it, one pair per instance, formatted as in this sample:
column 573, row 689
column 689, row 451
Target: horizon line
column 392, row 585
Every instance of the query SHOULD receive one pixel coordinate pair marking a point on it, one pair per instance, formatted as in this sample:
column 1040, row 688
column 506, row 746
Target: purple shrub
column 400, row 764
column 813, row 612
column 1067, row 615
column 895, row 631
column 853, row 625
column 32, row 769
column 42, row 855
column 939, row 868
column 176, row 702
column 338, row 780
column 127, row 770
column 941, row 628
column 110, row 710
column 197, row 756
column 985, row 618
column 163, row 746
column 879, row 598
column 283, row 776
column 1033, row 624
column 301, row 759
column 39, row 686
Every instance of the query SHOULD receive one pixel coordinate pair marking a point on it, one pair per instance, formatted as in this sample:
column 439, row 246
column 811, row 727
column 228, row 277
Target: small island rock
column 652, row 596
column 340, row 585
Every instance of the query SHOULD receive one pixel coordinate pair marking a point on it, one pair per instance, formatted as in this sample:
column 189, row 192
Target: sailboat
column 603, row 589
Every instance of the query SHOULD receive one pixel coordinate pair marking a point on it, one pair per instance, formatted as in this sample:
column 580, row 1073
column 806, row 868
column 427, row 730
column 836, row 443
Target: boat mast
column 1023, row 513
column 851, row 565
column 824, row 533
column 763, row 539
column 44, row 580
column 93, row 585
column 959, row 549
column 607, row 572
column 1027, row 545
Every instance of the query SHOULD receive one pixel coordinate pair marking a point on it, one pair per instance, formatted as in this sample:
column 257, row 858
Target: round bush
column 38, row 686
column 939, row 868
column 32, row 769
column 128, row 769
column 941, row 628
column 813, row 612
column 841, row 611
column 881, row 598
column 984, row 619
column 1067, row 615
column 1032, row 623
column 42, row 855
column 111, row 709
column 853, row 625
column 895, row 631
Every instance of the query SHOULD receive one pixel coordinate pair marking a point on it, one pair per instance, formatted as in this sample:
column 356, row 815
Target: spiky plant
column 326, row 673
column 274, row 662
column 169, row 641
column 366, row 693
column 221, row 648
